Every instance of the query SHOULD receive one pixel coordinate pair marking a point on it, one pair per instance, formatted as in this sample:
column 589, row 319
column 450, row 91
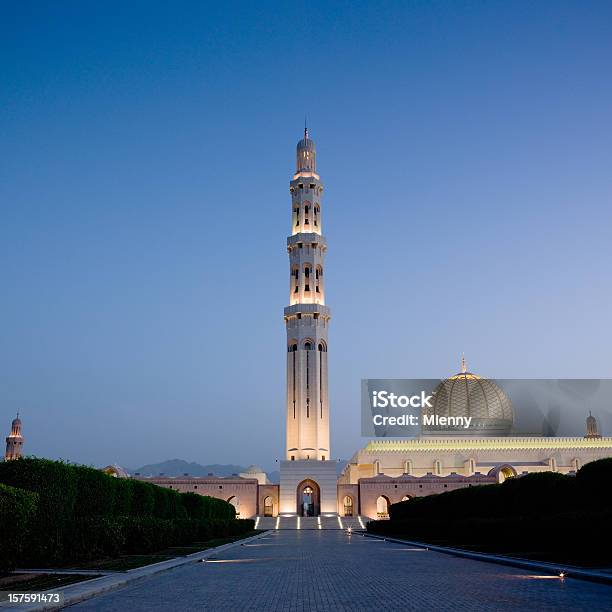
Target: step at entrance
column 356, row 523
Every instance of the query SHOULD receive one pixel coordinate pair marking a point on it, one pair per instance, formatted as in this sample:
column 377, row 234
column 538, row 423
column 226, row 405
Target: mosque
column 385, row 471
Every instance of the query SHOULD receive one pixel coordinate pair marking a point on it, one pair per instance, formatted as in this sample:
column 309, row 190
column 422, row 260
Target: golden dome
column 468, row 395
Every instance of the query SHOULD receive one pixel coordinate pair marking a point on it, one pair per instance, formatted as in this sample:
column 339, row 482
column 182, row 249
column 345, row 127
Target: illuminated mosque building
column 386, row 470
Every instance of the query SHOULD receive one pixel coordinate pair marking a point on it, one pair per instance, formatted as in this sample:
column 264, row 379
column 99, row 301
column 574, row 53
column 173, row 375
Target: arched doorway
column 236, row 503
column 268, row 506
column 503, row 472
column 382, row 507
column 308, row 498
column 506, row 472
column 348, row 506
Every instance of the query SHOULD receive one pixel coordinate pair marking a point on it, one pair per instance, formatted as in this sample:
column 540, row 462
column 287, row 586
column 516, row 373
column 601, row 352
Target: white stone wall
column 292, row 473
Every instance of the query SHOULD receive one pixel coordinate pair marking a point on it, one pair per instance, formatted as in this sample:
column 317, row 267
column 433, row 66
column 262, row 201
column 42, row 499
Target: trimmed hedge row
column 565, row 535
column 531, row 495
column 64, row 512
column 68, row 490
column 546, row 512
column 96, row 537
column 17, row 509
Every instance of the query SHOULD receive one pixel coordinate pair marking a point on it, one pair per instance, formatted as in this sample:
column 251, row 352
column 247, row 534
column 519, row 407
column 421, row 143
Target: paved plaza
column 328, row 570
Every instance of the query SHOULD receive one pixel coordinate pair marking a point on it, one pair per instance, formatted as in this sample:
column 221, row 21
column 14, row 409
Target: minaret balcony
column 319, row 309
column 306, row 239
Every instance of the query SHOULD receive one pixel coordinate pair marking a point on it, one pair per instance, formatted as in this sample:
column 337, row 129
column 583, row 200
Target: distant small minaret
column 591, row 427
column 14, row 441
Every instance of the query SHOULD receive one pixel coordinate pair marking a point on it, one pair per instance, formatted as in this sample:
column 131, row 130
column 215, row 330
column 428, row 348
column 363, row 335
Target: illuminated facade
column 385, row 471
column 307, row 317
column 308, row 477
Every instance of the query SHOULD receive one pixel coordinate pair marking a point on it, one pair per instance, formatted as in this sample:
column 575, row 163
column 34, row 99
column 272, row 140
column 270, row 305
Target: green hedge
column 529, row 495
column 17, row 510
column 577, row 537
column 200, row 506
column 546, row 513
column 71, row 512
column 55, row 483
column 68, row 491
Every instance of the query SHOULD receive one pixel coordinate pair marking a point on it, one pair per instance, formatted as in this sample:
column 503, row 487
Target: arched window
column 348, row 506
column 322, row 347
column 382, row 507
column 318, row 277
column 295, row 273
column 308, row 346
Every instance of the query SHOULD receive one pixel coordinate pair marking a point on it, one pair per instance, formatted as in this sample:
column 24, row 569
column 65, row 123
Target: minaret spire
column 307, row 316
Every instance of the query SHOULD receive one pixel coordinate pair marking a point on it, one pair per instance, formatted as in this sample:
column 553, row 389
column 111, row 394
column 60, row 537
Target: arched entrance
column 503, row 472
column 506, row 472
column 382, row 507
column 348, row 506
column 308, row 498
column 268, row 506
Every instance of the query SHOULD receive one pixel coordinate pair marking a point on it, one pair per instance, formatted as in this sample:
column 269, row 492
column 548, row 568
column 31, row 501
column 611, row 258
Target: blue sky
column 146, row 151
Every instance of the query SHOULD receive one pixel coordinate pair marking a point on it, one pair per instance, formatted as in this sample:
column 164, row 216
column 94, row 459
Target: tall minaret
column 14, row 442
column 307, row 317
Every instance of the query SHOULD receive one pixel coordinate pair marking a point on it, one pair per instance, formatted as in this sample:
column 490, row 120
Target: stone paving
column 299, row 571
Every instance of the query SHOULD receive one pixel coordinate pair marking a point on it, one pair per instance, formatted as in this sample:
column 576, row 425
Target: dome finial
column 463, row 366
column 305, row 129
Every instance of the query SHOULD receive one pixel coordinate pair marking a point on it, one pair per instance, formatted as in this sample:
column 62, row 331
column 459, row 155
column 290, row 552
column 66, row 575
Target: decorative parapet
column 509, row 443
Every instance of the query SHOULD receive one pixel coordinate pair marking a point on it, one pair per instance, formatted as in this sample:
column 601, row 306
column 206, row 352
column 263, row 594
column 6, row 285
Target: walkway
column 308, row 570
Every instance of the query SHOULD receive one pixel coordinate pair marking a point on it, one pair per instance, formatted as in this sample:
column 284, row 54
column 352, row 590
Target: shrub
column 55, row 483
column 95, row 492
column 143, row 497
column 167, row 503
column 17, row 510
column 594, row 484
column 123, row 492
column 201, row 506
column 544, row 513
column 146, row 535
column 69, row 513
column 94, row 537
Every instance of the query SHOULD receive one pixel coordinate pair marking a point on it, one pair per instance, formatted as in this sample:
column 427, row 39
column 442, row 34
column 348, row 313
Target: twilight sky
column 145, row 154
